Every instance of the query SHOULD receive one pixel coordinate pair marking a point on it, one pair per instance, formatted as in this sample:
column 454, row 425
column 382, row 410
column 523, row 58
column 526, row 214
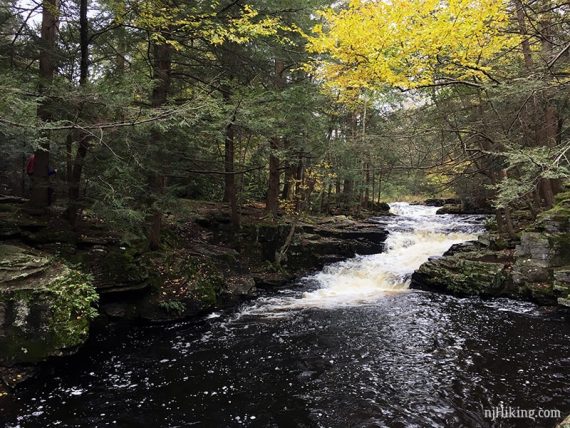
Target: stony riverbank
column 51, row 277
column 534, row 266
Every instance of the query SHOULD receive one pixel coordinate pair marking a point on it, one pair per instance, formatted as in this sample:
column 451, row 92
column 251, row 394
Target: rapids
column 416, row 234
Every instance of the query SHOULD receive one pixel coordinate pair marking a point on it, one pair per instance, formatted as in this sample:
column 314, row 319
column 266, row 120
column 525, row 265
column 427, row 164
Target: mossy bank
column 46, row 307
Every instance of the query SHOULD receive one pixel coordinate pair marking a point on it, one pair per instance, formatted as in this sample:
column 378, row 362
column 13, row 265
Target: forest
column 129, row 106
column 164, row 159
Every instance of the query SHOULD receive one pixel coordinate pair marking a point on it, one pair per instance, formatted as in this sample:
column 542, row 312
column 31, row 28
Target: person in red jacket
column 31, row 165
column 30, row 168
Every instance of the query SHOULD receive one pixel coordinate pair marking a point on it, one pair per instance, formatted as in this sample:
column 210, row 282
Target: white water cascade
column 416, row 233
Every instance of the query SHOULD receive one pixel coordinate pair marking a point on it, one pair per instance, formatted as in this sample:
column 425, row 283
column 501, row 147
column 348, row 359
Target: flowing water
column 349, row 346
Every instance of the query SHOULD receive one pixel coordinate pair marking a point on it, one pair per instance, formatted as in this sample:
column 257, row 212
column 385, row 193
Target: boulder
column 353, row 231
column 379, row 208
column 465, row 270
column 117, row 269
column 314, row 245
column 543, row 256
column 45, row 307
column 462, row 208
column 329, row 242
column 238, row 285
column 562, row 285
column 441, row 202
column 450, row 209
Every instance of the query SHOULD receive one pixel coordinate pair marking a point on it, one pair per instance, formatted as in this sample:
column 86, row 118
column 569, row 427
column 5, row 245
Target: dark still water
column 413, row 359
column 322, row 355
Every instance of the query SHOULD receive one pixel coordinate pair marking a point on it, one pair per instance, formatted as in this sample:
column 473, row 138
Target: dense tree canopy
column 314, row 105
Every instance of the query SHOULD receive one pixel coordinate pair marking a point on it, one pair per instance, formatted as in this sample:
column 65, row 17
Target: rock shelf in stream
column 535, row 266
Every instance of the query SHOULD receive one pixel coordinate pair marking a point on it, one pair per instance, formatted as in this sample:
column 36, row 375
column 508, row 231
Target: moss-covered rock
column 187, row 285
column 45, row 307
column 117, row 269
column 543, row 255
column 467, row 270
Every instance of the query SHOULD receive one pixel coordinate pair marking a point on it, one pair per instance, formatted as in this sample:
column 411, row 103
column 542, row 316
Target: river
column 349, row 346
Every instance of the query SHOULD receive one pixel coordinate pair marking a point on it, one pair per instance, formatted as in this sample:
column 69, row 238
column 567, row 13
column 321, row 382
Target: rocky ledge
column 217, row 268
column 325, row 241
column 203, row 262
column 45, row 308
column 535, row 267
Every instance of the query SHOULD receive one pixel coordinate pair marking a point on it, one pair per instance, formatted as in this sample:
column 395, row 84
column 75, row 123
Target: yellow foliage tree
column 410, row 43
column 167, row 22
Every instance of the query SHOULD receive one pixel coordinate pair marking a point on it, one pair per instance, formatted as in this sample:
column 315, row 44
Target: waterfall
column 416, row 233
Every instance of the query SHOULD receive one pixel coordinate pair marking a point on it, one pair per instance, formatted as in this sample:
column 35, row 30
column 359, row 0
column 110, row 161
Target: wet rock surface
column 462, row 208
column 534, row 267
column 439, row 202
column 327, row 241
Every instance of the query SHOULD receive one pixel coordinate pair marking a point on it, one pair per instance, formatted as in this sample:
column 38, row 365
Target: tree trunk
column 347, row 192
column 547, row 192
column 272, row 202
column 544, row 190
column 83, row 43
column 75, row 181
column 508, row 224
column 230, row 191
column 288, row 182
column 121, row 51
column 68, row 157
column 40, row 196
column 229, row 155
column 366, row 204
column 299, row 175
column 155, row 233
column 373, row 192
column 162, row 67
column 83, row 138
column 546, row 136
column 327, row 207
column 551, row 123
column 525, row 44
column 282, row 252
